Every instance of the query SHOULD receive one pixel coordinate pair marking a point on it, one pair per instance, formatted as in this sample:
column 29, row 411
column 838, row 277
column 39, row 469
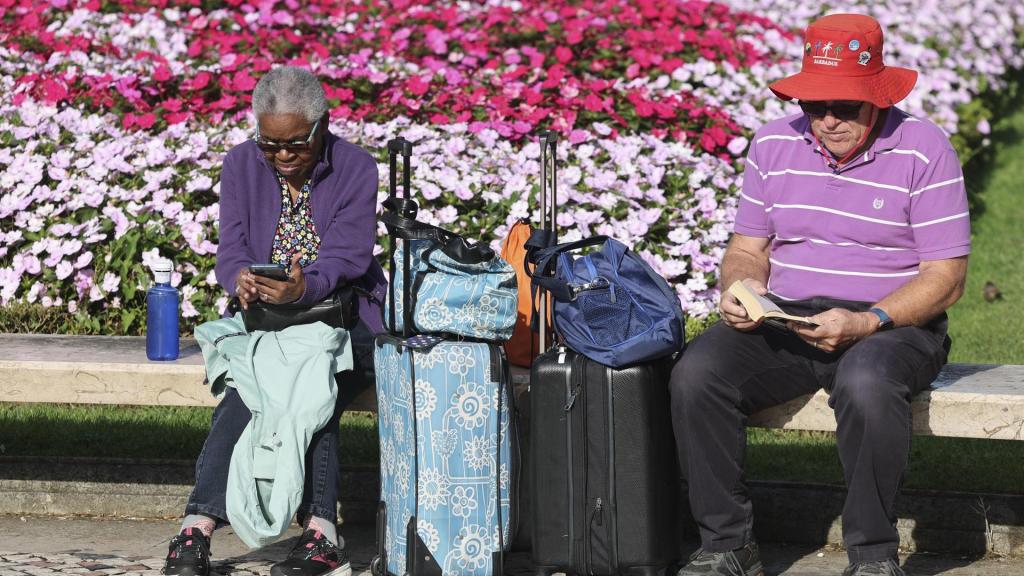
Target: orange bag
column 524, row 344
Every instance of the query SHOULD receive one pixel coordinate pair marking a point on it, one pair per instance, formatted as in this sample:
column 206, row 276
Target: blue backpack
column 609, row 305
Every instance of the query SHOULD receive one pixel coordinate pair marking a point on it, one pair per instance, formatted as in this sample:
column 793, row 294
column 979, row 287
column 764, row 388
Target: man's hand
column 837, row 329
column 245, row 287
column 734, row 314
column 282, row 291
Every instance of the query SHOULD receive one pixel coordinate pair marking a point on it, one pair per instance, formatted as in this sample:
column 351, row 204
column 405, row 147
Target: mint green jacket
column 286, row 378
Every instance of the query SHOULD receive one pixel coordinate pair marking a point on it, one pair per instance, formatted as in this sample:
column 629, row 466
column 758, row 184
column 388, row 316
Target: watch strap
column 884, row 321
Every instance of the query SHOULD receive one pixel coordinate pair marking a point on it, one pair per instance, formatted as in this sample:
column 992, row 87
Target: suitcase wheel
column 375, row 567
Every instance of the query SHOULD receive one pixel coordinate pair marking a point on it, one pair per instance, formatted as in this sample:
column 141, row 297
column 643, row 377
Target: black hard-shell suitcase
column 604, row 478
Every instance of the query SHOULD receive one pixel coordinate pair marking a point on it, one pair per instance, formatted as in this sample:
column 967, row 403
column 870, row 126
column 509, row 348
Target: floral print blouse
column 295, row 230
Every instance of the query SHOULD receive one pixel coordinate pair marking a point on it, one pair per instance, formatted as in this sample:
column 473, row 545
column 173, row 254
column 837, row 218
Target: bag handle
column 401, row 146
column 399, row 218
column 544, row 276
column 547, row 235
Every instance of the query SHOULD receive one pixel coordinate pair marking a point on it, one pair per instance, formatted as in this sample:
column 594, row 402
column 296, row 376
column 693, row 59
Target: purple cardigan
column 343, row 199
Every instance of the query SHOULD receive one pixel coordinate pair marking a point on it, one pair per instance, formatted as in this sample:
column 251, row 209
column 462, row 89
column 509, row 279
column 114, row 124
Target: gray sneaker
column 880, row 568
column 745, row 561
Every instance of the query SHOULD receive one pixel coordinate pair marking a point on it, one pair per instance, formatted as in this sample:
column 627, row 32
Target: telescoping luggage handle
column 401, row 146
column 547, row 235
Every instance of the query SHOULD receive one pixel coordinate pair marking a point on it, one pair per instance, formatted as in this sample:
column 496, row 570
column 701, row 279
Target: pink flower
column 84, row 260
column 437, row 41
column 111, row 282
column 64, row 269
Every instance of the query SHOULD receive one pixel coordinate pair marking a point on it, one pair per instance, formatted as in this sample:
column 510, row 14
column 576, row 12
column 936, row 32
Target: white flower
column 433, row 489
column 460, row 359
column 387, row 457
column 429, row 359
column 503, row 477
column 432, row 314
column 402, row 476
column 471, row 406
column 477, row 452
column 472, row 547
column 428, row 533
column 426, row 400
column 463, row 501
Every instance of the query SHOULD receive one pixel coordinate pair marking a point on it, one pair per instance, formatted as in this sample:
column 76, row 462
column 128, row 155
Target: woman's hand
column 837, row 328
column 733, row 313
column 245, row 287
column 282, row 291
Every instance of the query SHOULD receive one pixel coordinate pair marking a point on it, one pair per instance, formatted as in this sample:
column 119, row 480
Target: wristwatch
column 884, row 321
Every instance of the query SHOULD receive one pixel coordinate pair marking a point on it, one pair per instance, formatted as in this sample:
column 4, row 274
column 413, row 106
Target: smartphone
column 275, row 271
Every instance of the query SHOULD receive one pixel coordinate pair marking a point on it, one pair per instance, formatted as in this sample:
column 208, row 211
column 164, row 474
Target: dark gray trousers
column 725, row 375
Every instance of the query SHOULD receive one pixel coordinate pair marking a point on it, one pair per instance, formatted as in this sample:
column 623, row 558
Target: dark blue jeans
column 320, row 495
column 725, row 375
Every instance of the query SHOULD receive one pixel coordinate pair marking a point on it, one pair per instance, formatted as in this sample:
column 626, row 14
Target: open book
column 758, row 307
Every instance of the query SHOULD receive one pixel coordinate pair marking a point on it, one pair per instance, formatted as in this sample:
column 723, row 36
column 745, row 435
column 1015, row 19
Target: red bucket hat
column 843, row 61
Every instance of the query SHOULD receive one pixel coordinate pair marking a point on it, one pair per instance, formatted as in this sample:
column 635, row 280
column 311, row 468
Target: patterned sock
column 327, row 528
column 204, row 524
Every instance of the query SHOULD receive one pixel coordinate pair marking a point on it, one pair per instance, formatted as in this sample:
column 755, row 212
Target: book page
column 758, row 306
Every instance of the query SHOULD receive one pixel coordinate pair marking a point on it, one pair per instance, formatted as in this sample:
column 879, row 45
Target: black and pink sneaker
column 188, row 554
column 313, row 555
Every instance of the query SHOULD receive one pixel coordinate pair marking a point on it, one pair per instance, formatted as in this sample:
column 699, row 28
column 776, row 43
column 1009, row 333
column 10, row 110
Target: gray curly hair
column 289, row 90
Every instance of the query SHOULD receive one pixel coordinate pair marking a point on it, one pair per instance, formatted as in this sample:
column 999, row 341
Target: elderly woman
column 296, row 195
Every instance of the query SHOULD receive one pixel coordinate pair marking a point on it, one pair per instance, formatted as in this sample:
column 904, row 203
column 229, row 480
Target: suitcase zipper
column 572, row 398
column 580, row 375
column 569, row 459
column 504, row 395
column 613, row 527
column 596, row 516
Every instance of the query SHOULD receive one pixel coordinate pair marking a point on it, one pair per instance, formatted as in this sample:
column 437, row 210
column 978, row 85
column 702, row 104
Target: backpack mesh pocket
column 612, row 320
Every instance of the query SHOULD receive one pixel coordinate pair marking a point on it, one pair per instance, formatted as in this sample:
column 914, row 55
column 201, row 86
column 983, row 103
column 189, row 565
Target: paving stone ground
column 52, row 546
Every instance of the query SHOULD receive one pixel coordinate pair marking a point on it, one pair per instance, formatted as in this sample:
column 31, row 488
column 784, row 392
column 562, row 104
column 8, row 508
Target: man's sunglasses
column 841, row 110
column 271, row 147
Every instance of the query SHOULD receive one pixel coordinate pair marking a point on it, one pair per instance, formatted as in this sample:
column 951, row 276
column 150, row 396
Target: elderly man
column 853, row 213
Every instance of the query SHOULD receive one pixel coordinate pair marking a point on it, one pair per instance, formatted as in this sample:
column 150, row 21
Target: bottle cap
column 162, row 271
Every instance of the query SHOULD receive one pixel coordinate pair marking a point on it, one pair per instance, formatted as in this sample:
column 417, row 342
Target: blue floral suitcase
column 447, row 469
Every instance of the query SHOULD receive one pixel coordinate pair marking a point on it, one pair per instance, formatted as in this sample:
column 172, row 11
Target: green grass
column 143, row 432
column 982, row 331
column 953, row 464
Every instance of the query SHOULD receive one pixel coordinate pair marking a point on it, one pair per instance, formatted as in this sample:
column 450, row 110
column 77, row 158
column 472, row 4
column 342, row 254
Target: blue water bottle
column 162, row 315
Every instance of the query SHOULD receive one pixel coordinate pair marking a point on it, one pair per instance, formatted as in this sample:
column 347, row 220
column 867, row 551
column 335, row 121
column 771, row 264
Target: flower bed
column 116, row 117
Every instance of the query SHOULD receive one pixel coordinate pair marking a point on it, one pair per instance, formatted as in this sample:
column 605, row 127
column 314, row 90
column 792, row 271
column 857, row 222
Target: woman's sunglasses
column 271, row 147
column 841, row 110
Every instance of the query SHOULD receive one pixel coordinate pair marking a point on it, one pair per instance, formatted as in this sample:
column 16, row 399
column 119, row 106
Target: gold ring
column 815, row 343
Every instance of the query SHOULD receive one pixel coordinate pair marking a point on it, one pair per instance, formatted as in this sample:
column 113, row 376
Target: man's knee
column 866, row 382
column 697, row 376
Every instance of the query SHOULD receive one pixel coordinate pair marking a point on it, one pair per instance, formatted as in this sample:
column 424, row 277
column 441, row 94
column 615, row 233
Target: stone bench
column 967, row 400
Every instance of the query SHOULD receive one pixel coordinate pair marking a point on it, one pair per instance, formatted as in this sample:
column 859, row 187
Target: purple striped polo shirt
column 859, row 232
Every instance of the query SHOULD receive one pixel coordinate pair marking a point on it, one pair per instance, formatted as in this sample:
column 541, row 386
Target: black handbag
column 339, row 310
